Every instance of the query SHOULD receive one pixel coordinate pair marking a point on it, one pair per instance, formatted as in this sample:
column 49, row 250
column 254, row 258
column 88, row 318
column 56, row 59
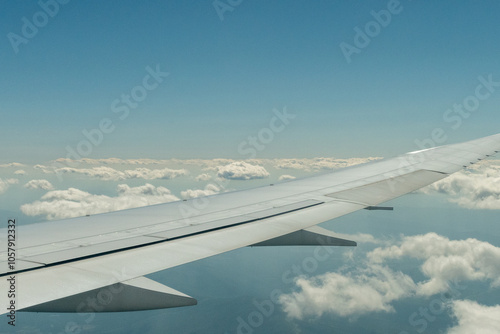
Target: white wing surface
column 97, row 263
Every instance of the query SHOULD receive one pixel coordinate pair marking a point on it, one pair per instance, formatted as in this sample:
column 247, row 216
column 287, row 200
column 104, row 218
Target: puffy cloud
column 39, row 184
column 108, row 173
column 150, row 174
column 73, row 202
column 476, row 188
column 20, row 172
column 241, row 170
column 373, row 286
column 210, row 189
column 371, row 290
column 475, row 318
column 5, row 184
column 286, row 177
column 445, row 260
column 203, row 177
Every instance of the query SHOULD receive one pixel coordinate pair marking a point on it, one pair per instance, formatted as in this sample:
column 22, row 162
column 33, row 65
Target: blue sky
column 226, row 76
column 229, row 76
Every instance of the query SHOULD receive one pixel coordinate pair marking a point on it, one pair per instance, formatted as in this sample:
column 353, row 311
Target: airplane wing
column 98, row 263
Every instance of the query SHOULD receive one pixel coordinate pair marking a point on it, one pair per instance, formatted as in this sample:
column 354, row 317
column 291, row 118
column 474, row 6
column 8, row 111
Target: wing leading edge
column 97, row 263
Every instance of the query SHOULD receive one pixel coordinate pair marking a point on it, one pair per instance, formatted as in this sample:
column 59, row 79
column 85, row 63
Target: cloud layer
column 316, row 164
column 108, row 173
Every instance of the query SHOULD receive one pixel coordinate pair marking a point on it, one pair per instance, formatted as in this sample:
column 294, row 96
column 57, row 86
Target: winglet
column 133, row 295
column 312, row 236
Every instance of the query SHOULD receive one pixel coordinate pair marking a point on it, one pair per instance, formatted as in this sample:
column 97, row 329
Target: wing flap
column 133, row 295
column 312, row 236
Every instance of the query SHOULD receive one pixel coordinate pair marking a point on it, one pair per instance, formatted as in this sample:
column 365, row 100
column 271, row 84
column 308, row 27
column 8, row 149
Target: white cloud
column 286, row 177
column 210, row 189
column 373, row 285
column 476, row 188
column 5, row 184
column 241, row 170
column 39, row 184
column 371, row 290
column 73, row 202
column 108, row 173
column 203, row 177
column 475, row 318
column 445, row 260
column 20, row 172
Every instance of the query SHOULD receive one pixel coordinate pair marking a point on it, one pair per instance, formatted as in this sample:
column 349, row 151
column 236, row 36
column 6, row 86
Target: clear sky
column 226, row 76
column 155, row 83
